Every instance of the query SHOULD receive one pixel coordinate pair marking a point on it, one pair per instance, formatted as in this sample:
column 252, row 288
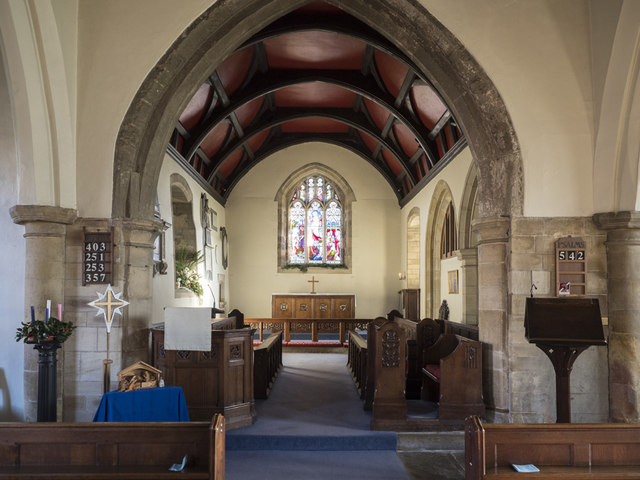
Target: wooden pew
column 462, row 329
column 452, row 376
column 420, row 335
column 559, row 451
column 267, row 360
column 79, row 451
column 357, row 360
column 370, row 381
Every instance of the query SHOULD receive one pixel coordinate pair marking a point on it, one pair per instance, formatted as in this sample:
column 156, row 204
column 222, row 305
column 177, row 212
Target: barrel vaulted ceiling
column 317, row 74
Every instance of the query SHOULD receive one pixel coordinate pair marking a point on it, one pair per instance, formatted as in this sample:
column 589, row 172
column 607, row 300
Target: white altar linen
column 187, row 328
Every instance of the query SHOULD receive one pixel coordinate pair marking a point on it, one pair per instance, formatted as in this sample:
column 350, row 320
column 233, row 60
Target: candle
column 60, row 311
column 47, row 312
column 33, row 315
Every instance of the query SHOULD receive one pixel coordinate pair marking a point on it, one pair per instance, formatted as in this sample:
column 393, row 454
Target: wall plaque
column 97, row 258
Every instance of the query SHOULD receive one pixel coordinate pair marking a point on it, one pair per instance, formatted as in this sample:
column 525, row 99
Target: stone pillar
column 623, row 285
column 469, row 265
column 134, row 245
column 45, row 237
column 493, row 249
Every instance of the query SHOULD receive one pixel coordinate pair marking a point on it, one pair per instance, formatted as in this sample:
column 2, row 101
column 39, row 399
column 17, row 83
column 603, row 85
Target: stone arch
column 214, row 35
column 345, row 193
column 183, row 226
column 468, row 253
column 413, row 248
column 440, row 201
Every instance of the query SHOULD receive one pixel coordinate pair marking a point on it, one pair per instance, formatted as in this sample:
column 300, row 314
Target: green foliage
column 39, row 331
column 187, row 261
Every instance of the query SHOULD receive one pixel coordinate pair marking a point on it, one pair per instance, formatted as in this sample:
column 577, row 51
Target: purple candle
column 33, row 315
column 60, row 311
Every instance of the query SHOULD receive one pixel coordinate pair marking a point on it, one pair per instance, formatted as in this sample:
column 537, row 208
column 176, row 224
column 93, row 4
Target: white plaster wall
column 252, row 224
column 12, row 254
column 164, row 291
column 538, row 54
column 119, row 42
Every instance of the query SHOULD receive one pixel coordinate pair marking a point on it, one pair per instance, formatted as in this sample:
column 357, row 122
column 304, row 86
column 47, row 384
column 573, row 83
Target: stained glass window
column 315, row 224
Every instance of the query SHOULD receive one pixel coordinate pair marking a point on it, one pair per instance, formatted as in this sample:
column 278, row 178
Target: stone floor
column 433, row 465
column 432, row 455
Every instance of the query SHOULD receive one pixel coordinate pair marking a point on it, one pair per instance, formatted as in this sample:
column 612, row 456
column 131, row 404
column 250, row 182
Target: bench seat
column 560, row 472
column 86, row 472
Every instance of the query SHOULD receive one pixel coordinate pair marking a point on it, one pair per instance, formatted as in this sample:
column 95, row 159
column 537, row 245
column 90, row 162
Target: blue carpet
column 312, row 426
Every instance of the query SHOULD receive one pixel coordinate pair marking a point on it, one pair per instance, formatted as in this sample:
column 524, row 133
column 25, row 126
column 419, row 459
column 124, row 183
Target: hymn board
column 571, row 266
column 97, row 255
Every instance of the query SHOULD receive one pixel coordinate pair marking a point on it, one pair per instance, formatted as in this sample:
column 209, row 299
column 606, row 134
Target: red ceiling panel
column 368, row 140
column 392, row 161
column 231, row 163
column 378, row 113
column 197, row 107
column 392, row 71
column 315, row 49
column 314, row 94
column 215, row 139
column 315, row 124
column 233, row 70
column 248, row 112
column 429, row 106
column 256, row 141
column 406, row 139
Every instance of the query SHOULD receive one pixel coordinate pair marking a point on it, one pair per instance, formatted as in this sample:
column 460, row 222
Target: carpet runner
column 312, row 426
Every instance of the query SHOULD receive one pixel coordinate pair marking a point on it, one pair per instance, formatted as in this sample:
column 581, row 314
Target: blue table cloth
column 165, row 404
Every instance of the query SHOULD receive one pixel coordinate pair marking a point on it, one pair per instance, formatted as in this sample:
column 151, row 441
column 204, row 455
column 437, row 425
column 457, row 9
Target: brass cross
column 110, row 303
column 313, row 282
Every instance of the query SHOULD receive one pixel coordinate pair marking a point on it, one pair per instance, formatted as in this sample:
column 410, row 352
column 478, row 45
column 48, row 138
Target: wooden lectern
column 563, row 328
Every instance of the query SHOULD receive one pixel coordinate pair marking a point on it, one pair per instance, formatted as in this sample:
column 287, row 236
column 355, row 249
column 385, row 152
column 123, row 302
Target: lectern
column 563, row 328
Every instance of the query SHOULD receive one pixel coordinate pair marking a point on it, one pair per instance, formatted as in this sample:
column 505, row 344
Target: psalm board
column 571, row 266
column 97, row 258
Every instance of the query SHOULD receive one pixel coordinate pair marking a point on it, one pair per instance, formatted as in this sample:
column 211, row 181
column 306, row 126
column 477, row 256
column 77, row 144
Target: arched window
column 315, row 224
column 314, row 221
column 449, row 243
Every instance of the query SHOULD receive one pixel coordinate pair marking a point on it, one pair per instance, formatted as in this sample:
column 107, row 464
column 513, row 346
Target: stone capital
column 628, row 220
column 491, row 229
column 23, row 214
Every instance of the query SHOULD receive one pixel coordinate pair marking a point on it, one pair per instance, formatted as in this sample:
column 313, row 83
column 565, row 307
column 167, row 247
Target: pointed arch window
column 449, row 243
column 315, row 224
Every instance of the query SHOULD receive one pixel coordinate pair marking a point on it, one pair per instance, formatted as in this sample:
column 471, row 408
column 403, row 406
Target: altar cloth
column 163, row 404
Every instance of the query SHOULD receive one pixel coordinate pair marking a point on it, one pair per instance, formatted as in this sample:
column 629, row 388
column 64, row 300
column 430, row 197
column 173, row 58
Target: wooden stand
column 47, row 391
column 563, row 328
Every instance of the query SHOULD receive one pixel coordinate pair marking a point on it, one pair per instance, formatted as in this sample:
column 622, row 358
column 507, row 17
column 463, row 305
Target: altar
column 313, row 313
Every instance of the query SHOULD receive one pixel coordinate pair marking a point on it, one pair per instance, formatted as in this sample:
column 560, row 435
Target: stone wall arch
column 214, row 35
column 440, row 201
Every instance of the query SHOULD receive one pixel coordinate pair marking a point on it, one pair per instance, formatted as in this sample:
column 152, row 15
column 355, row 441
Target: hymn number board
column 97, row 256
column 571, row 266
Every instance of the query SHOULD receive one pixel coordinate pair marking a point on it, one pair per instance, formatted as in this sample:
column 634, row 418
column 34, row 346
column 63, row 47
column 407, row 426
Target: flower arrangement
column 187, row 276
column 52, row 328
column 39, row 331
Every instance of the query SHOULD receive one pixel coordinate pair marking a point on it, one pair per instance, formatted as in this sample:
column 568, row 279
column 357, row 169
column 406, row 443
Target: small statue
column 443, row 314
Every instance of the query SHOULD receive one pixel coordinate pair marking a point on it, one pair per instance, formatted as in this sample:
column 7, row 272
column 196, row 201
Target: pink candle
column 60, row 311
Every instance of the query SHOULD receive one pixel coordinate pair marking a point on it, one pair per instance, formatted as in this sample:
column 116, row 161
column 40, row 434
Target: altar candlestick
column 60, row 311
column 33, row 315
